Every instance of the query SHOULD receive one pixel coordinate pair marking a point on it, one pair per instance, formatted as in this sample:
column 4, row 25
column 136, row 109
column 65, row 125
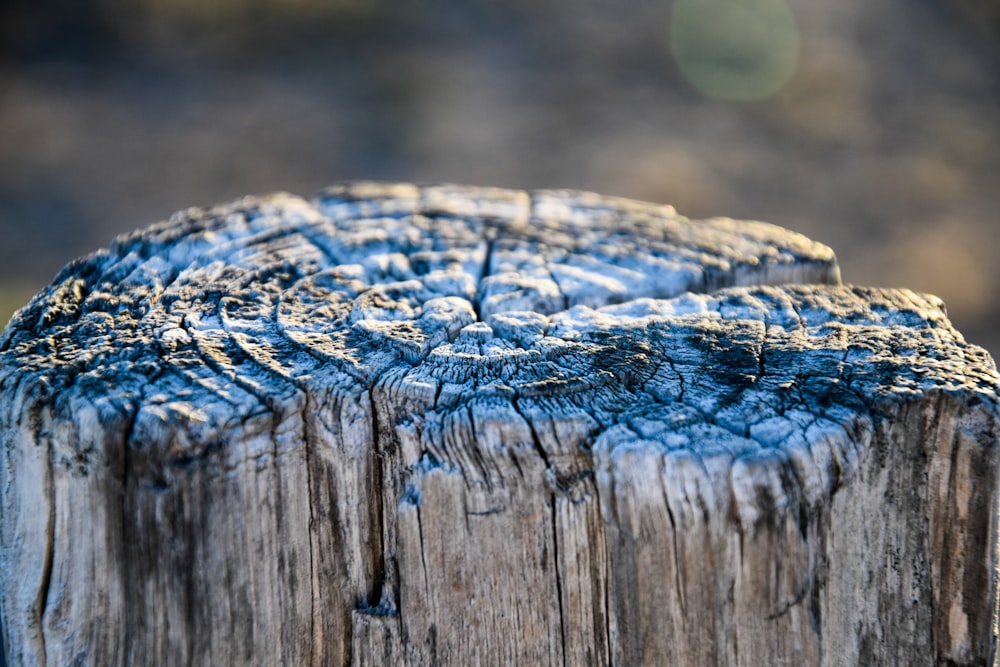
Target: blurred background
column 873, row 127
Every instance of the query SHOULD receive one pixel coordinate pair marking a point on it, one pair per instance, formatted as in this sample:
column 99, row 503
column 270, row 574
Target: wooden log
column 446, row 425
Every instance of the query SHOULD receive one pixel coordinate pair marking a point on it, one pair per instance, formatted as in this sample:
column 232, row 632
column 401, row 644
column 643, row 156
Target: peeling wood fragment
column 422, row 425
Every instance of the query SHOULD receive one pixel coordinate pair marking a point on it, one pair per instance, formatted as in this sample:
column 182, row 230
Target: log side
column 402, row 425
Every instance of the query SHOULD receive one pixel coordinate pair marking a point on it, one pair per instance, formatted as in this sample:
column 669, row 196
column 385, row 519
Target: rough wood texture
column 404, row 425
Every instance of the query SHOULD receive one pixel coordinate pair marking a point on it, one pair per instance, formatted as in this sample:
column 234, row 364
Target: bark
column 444, row 425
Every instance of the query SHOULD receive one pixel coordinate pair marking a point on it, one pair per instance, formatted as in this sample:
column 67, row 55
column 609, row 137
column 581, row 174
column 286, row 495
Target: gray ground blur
column 885, row 144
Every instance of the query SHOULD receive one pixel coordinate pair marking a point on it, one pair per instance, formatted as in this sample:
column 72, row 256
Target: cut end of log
column 416, row 405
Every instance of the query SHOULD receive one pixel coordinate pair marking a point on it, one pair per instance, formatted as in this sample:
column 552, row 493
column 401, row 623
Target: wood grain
column 451, row 425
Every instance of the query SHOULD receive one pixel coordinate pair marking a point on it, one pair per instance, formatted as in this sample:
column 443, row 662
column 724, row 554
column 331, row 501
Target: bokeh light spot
column 735, row 49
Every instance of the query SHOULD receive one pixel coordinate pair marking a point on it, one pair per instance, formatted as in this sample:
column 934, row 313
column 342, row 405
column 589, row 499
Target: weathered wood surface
column 473, row 426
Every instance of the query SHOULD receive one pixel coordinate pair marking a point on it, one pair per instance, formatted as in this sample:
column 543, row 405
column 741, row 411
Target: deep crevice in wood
column 44, row 589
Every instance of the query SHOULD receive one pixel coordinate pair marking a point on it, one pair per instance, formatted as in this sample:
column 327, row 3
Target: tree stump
column 448, row 425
